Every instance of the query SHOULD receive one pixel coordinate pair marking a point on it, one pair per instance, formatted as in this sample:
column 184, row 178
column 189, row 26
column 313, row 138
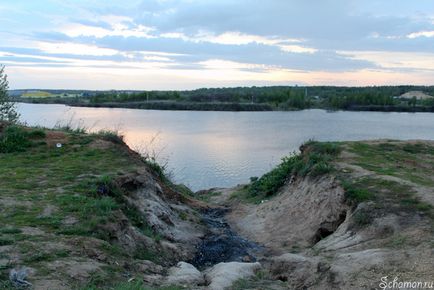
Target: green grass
column 412, row 162
column 315, row 160
column 398, row 241
column 44, row 256
column 17, row 139
column 10, row 230
column 112, row 136
column 386, row 196
column 6, row 241
column 68, row 194
column 356, row 194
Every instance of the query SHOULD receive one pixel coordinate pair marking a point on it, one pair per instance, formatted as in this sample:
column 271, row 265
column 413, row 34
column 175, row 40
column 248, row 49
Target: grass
column 6, row 241
column 356, row 194
column 10, row 230
column 397, row 168
column 398, row 241
column 410, row 161
column 17, row 139
column 45, row 256
column 111, row 136
column 76, row 181
column 315, row 160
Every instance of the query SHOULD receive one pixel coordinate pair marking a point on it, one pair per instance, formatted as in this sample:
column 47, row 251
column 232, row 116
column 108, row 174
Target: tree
column 7, row 108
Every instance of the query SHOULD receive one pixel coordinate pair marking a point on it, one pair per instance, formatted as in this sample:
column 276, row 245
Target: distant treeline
column 256, row 98
column 181, row 106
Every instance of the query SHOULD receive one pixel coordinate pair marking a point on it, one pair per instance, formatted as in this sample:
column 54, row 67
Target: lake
column 223, row 149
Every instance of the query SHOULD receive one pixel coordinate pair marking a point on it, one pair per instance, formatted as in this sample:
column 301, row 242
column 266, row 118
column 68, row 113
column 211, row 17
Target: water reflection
column 217, row 149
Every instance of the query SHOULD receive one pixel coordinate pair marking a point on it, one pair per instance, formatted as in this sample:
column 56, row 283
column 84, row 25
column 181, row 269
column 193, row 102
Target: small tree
column 7, row 107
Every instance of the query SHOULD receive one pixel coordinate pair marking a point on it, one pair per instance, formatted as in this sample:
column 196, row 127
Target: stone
column 184, row 274
column 223, row 275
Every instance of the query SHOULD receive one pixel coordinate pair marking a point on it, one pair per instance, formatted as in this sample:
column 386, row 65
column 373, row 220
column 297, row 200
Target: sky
column 187, row 44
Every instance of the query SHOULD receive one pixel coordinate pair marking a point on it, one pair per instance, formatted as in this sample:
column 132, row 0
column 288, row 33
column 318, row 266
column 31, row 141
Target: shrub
column 18, row 139
column 6, row 241
column 314, row 160
column 362, row 218
column 356, row 195
column 14, row 139
column 112, row 136
column 37, row 133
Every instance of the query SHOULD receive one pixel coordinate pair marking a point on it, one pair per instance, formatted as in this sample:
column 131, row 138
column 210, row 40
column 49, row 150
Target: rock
column 18, row 278
column 184, row 274
column 223, row 275
column 297, row 270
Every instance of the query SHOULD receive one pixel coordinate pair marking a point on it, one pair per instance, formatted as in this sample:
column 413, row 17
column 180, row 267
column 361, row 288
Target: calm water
column 221, row 149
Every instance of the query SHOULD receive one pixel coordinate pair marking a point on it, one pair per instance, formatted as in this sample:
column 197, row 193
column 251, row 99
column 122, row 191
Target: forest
column 377, row 98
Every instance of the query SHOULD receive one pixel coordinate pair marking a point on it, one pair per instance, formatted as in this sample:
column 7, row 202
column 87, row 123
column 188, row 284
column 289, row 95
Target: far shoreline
column 228, row 107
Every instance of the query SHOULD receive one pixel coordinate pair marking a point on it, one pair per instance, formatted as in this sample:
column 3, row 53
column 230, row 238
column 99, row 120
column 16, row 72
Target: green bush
column 17, row 139
column 14, row 139
column 357, row 195
column 112, row 136
column 6, row 241
column 314, row 161
column 362, row 218
column 36, row 133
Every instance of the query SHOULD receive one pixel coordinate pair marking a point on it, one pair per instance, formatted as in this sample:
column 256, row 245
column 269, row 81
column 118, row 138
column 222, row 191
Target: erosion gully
column 222, row 244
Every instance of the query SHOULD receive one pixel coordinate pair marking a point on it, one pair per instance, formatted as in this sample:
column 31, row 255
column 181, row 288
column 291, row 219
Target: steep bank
column 84, row 211
column 367, row 214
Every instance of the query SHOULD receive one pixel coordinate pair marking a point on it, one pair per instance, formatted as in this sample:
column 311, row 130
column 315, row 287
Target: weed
column 355, row 194
column 314, row 160
column 397, row 241
column 10, row 230
column 17, row 139
column 112, row 136
column 143, row 253
column 362, row 218
column 36, row 133
column 183, row 215
column 14, row 139
column 6, row 241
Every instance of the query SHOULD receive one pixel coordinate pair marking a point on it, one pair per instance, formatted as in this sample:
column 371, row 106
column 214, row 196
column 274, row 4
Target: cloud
column 421, row 34
column 76, row 30
column 74, row 49
column 248, row 42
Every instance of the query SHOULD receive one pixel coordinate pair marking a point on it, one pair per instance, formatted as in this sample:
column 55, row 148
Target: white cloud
column 75, row 49
column 421, row 34
column 238, row 38
column 156, row 58
column 297, row 48
column 119, row 29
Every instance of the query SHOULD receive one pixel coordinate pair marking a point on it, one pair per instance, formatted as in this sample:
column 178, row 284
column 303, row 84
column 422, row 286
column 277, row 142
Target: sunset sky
column 186, row 44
